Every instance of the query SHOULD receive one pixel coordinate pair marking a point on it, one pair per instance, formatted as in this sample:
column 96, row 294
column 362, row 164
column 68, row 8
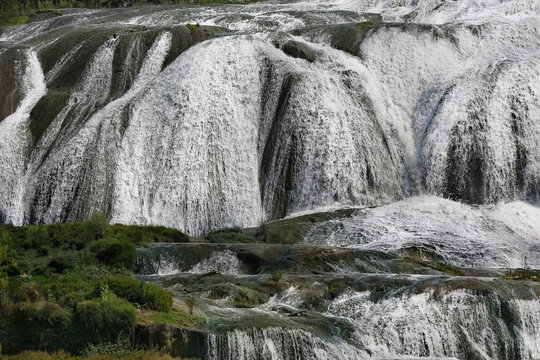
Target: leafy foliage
column 146, row 295
column 230, row 235
column 71, row 286
column 100, row 352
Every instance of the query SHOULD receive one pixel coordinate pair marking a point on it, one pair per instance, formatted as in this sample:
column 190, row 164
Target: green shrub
column 192, row 27
column 45, row 238
column 143, row 235
column 134, row 354
column 60, row 263
column 121, row 347
column 101, row 321
column 364, row 23
column 114, row 252
column 230, row 235
column 15, row 20
column 147, row 295
column 98, row 224
column 70, row 290
column 57, row 290
column 5, row 256
column 263, row 233
column 36, row 326
column 179, row 318
column 14, row 269
column 449, row 269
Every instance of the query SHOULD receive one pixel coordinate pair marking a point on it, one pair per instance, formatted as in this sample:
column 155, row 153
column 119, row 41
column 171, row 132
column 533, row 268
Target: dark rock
column 172, row 339
column 12, row 67
column 44, row 15
column 349, row 38
column 299, row 50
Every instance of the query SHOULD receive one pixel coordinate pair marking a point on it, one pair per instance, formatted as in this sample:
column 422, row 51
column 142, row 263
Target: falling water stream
column 411, row 126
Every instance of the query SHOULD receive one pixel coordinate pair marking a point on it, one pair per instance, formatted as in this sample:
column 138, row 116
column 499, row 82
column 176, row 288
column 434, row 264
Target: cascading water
column 421, row 118
column 491, row 237
column 312, row 104
column 14, row 138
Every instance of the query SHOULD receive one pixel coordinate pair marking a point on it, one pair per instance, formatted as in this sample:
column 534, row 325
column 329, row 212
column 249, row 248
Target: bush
column 101, row 321
column 140, row 355
column 55, row 295
column 147, row 295
column 98, row 224
column 121, row 347
column 60, row 263
column 45, row 238
column 71, row 290
column 114, row 252
column 230, row 235
column 142, row 235
column 37, row 326
column 449, row 269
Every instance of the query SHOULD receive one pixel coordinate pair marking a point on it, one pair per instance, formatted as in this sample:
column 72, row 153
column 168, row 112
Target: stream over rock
column 387, row 151
column 204, row 117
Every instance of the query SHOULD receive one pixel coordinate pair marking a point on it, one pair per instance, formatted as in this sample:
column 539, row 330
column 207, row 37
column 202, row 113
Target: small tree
column 98, row 224
column 263, row 233
column 191, row 301
column 524, row 262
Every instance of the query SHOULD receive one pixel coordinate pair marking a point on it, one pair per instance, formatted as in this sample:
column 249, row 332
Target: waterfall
column 459, row 324
column 67, row 147
column 497, row 236
column 188, row 141
column 277, row 344
column 14, row 136
column 301, row 106
column 420, row 319
column 417, row 121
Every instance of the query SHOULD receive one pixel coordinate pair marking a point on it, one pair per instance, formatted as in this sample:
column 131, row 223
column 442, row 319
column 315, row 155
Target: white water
column 14, row 140
column 405, row 324
column 189, row 148
column 459, row 324
column 95, row 143
column 410, row 321
column 445, row 102
column 223, row 262
column 278, row 344
column 494, row 236
column 168, row 261
column 66, row 144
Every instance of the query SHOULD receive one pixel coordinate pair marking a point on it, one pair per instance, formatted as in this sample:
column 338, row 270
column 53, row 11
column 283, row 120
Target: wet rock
column 299, row 50
column 345, row 37
column 12, row 65
column 44, row 15
column 172, row 339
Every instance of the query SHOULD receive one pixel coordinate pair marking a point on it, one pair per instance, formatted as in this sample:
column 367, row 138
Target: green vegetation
column 178, row 318
column 449, row 269
column 523, row 274
column 192, row 27
column 144, row 235
column 71, row 287
column 364, row 23
column 230, row 235
column 127, row 355
column 236, row 234
column 146, row 295
column 243, row 297
column 13, row 20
